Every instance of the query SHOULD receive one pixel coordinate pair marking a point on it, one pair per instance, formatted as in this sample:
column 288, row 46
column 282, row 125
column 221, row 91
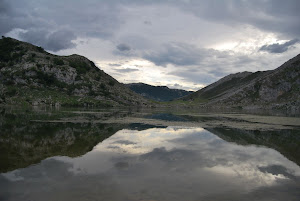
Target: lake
column 118, row 154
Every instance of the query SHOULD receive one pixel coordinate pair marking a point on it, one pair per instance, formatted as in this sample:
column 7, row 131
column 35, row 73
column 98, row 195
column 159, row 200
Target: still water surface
column 143, row 162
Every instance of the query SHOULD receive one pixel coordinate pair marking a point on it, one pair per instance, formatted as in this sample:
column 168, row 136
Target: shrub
column 40, row 49
column 80, row 66
column 91, row 93
column 98, row 77
column 9, row 81
column 45, row 78
column 17, row 56
column 111, row 83
column 58, row 61
column 30, row 59
column 77, row 78
column 7, row 46
column 60, row 84
column 11, row 92
column 19, row 73
column 70, row 89
column 106, row 93
column 102, row 86
column 19, row 48
column 10, row 63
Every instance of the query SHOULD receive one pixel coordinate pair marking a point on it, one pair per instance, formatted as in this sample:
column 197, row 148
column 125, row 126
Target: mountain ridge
column 31, row 76
column 278, row 88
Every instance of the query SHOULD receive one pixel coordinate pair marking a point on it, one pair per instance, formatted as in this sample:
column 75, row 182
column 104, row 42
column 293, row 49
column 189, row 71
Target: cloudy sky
column 184, row 44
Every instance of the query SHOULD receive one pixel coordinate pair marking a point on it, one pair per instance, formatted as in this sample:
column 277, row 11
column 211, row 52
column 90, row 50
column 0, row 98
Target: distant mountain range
column 31, row 76
column 279, row 88
column 157, row 93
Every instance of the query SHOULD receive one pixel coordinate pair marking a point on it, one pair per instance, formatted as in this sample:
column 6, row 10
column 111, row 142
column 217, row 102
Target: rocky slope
column 279, row 88
column 31, row 76
column 157, row 93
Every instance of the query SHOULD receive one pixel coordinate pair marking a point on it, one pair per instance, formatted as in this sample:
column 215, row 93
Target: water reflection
column 27, row 136
column 287, row 142
column 29, row 143
column 173, row 163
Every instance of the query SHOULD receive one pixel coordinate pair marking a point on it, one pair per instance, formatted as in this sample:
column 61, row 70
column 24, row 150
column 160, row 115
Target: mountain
column 23, row 136
column 31, row 76
column 157, row 93
column 279, row 88
column 284, row 141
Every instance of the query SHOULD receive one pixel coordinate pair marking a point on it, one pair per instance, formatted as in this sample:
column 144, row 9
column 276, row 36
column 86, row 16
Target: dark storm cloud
column 54, row 25
column 205, row 65
column 123, row 47
column 147, row 22
column 279, row 48
column 4, row 6
column 126, row 70
column 273, row 15
column 6, row 24
column 276, row 170
column 179, row 54
column 19, row 15
column 103, row 19
column 176, row 85
column 124, row 142
column 115, row 64
column 55, row 41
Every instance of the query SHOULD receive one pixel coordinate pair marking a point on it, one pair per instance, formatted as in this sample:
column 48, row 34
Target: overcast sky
column 184, row 44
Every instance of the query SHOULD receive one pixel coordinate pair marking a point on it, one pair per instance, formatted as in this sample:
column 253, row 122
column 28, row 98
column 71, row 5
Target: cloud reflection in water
column 174, row 163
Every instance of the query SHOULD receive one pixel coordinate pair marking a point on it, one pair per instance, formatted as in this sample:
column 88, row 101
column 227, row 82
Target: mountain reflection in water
column 173, row 163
